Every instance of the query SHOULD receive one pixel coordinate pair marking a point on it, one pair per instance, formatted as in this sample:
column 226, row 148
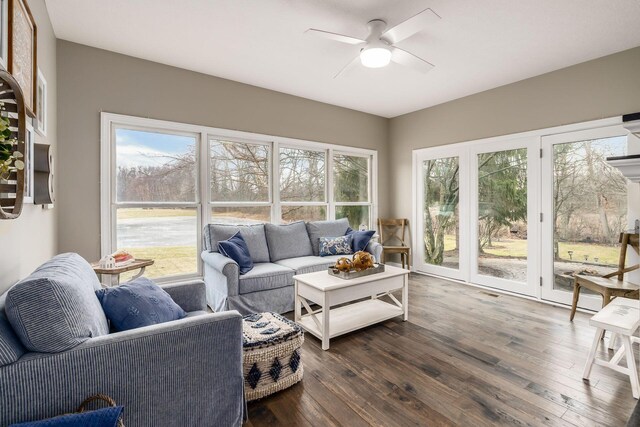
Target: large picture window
column 155, row 206
column 163, row 181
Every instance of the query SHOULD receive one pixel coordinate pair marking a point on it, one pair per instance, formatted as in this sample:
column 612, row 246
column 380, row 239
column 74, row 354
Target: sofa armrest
column 375, row 249
column 197, row 359
column 221, row 277
column 190, row 296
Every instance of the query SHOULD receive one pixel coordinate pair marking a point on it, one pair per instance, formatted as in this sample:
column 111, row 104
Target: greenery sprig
column 9, row 155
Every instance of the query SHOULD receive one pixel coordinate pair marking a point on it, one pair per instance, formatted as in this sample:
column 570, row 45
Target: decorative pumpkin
column 343, row 264
column 362, row 260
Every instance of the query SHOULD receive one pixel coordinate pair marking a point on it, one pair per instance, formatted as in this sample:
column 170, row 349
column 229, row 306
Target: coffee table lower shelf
column 352, row 317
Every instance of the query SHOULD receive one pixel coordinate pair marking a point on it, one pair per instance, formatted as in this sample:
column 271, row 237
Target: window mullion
column 330, row 187
column 276, row 210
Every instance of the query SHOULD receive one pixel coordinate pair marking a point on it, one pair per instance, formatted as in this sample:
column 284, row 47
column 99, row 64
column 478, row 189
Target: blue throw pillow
column 236, row 248
column 138, row 303
column 106, row 417
column 360, row 239
column 335, row 245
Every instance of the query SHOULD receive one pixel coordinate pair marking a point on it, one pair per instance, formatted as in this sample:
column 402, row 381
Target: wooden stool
column 621, row 317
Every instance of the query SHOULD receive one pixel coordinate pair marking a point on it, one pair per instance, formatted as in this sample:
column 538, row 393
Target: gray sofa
column 184, row 372
column 279, row 252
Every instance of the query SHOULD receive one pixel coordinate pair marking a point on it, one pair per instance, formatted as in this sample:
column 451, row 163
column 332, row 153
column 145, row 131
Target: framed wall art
column 41, row 104
column 23, row 51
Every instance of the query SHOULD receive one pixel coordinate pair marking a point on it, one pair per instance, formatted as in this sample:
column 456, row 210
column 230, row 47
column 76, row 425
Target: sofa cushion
column 360, row 239
column 10, row 347
column 138, row 303
column 317, row 229
column 309, row 264
column 55, row 308
column 236, row 248
column 287, row 240
column 253, row 235
column 265, row 276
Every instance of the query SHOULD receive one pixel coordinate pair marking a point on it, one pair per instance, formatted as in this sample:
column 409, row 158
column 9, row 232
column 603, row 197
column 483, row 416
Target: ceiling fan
column 380, row 45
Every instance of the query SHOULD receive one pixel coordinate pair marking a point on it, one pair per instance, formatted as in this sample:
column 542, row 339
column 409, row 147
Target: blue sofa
column 279, row 252
column 184, row 372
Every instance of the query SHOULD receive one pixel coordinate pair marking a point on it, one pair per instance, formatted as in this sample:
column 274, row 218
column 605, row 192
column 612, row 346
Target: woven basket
column 98, row 398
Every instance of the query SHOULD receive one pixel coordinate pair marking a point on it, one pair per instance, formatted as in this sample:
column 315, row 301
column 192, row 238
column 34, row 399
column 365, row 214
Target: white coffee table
column 327, row 291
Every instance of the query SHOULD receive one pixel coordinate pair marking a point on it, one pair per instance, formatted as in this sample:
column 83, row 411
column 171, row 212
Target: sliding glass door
column 585, row 201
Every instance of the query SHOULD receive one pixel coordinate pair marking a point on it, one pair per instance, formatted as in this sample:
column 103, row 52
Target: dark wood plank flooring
column 466, row 356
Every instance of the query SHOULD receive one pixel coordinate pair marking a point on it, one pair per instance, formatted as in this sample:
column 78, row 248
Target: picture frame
column 4, row 34
column 29, row 140
column 22, row 58
column 41, row 105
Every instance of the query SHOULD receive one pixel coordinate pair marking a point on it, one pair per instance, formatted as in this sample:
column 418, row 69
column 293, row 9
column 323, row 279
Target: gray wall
column 601, row 88
column 28, row 241
column 93, row 80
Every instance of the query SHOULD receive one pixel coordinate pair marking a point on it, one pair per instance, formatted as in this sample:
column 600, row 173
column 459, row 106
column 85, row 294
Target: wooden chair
column 392, row 239
column 610, row 285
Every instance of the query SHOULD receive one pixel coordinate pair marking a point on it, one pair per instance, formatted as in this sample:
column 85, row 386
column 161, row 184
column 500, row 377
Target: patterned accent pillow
column 335, row 245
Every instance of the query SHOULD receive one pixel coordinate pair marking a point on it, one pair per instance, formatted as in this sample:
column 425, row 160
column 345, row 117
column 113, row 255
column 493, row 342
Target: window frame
column 110, row 204
column 203, row 203
column 276, row 185
column 231, row 204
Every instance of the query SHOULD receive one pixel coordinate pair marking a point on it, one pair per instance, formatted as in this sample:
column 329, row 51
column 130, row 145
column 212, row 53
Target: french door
column 522, row 214
column 503, row 212
column 442, row 199
column 585, row 201
column 475, row 204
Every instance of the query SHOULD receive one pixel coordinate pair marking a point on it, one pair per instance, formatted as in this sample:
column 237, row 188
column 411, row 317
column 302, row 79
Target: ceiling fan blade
column 348, row 67
column 411, row 26
column 336, row 37
column 405, row 58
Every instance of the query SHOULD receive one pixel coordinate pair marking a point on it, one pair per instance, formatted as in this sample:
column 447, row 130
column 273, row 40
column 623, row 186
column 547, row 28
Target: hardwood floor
column 466, row 356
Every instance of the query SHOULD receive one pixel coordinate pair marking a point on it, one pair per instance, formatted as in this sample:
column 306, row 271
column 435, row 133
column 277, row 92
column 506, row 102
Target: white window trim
column 108, row 122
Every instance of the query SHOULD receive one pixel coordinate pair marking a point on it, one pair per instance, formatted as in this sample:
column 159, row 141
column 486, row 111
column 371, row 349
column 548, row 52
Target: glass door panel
column 441, row 236
column 588, row 210
column 502, row 214
column 441, row 225
column 503, row 201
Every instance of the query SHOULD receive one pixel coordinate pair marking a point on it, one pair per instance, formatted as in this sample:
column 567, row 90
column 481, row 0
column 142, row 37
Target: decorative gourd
column 343, row 264
column 362, row 261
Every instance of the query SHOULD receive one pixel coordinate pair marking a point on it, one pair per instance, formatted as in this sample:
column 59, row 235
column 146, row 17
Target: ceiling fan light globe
column 375, row 57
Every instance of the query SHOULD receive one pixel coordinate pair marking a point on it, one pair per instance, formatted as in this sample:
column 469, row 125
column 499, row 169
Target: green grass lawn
column 517, row 248
column 169, row 260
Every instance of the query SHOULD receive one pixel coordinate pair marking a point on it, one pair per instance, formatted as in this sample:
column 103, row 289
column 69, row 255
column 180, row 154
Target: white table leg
column 631, row 366
column 612, row 340
column 325, row 321
column 140, row 273
column 298, row 308
column 405, row 297
column 592, row 354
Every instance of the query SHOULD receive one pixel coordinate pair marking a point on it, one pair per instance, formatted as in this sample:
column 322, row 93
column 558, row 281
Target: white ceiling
column 477, row 45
